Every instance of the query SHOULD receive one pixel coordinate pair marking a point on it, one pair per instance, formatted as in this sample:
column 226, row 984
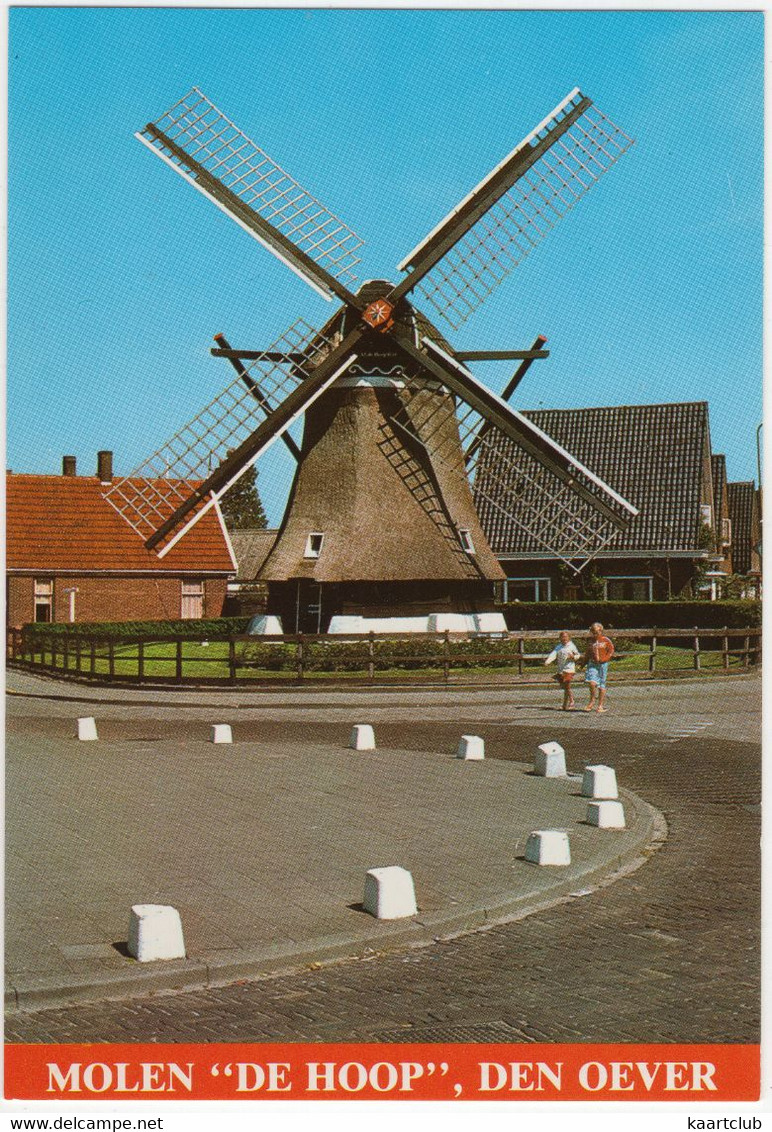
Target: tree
column 241, row 505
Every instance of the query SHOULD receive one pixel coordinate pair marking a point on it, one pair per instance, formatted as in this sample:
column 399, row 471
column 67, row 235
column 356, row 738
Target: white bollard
column 471, row 747
column 87, row 728
column 599, row 782
column 362, row 737
column 389, row 893
column 606, row 815
column 550, row 761
column 548, row 847
column 221, row 733
column 155, row 932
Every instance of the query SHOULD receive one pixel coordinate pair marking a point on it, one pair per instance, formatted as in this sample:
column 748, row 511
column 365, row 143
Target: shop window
column 636, row 588
column 528, row 589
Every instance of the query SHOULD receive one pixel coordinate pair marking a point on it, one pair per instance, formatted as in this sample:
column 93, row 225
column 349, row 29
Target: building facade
column 70, row 557
column 659, row 458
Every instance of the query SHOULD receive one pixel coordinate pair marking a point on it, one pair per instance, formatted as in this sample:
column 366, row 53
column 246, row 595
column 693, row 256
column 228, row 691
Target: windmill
column 401, row 444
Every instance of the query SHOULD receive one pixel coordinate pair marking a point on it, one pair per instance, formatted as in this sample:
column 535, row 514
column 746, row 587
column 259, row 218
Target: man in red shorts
column 599, row 652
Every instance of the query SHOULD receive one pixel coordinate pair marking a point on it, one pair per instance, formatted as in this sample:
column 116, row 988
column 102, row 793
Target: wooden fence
column 407, row 658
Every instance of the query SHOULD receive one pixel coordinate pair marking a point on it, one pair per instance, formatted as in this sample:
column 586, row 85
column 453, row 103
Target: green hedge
column 632, row 614
column 574, row 615
column 215, row 628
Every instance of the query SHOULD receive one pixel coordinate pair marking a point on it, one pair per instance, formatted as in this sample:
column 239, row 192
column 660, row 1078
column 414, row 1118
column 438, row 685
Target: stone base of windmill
column 424, row 623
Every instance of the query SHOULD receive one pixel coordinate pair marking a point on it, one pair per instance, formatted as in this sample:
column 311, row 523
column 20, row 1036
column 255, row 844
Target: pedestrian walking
column 566, row 654
column 599, row 652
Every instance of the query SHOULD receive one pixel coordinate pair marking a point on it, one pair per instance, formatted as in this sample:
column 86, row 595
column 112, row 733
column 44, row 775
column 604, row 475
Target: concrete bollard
column 550, row 761
column 471, row 747
column 87, row 728
column 599, row 782
column 548, row 847
column 221, row 733
column 606, row 815
column 155, row 932
column 362, row 737
column 389, row 893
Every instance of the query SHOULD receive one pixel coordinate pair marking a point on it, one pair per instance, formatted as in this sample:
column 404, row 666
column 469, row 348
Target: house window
column 313, row 545
column 706, row 514
column 466, row 540
column 44, row 599
column 634, row 588
column 528, row 589
column 726, row 531
column 192, row 600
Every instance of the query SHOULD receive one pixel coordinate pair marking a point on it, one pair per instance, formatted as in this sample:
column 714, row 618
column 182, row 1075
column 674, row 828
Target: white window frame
column 465, row 539
column 191, row 590
column 314, row 550
column 42, row 594
column 706, row 514
column 539, row 584
column 726, row 531
column 628, row 578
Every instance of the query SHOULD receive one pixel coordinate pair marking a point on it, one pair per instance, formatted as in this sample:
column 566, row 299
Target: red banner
column 383, row 1072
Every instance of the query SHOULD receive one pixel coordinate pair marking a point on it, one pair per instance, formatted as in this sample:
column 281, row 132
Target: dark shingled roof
column 744, row 513
column 251, row 547
column 718, row 464
column 653, row 455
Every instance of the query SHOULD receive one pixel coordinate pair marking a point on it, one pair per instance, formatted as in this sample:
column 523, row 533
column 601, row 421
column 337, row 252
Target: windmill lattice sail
column 550, row 497
column 151, row 494
column 205, row 147
column 518, row 203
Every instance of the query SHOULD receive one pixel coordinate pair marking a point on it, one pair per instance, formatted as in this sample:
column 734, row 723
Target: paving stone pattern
column 667, row 954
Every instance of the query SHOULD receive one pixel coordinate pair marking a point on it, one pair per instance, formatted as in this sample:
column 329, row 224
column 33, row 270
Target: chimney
column 69, row 466
column 105, row 466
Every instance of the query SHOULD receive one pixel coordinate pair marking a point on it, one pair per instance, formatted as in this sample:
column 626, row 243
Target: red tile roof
column 64, row 523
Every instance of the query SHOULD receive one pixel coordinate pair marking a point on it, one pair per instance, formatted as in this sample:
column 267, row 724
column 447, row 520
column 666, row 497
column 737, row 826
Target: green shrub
column 577, row 615
column 212, row 629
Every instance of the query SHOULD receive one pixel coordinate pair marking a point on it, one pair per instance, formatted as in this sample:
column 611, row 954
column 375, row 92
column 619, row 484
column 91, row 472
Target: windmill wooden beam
column 503, row 355
column 509, row 389
column 253, row 387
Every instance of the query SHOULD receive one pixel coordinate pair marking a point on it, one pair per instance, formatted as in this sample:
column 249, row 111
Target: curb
column 206, row 971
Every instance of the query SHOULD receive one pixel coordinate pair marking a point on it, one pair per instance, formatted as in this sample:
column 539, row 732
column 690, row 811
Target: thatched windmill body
column 381, row 529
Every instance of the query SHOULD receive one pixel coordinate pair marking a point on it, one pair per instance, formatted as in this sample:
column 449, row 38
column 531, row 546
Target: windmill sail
column 467, row 256
column 193, row 469
column 217, row 158
column 517, row 471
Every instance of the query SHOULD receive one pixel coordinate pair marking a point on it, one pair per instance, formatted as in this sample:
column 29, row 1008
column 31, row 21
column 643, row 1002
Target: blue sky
column 120, row 274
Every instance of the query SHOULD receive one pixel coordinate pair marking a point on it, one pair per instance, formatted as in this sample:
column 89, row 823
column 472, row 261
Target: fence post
column 111, row 658
column 746, row 652
column 371, row 656
column 725, row 650
column 140, row 659
column 299, row 657
column 66, row 653
column 446, row 657
column 653, row 652
column 178, row 661
column 232, row 658
column 93, row 657
column 520, row 652
column 696, row 648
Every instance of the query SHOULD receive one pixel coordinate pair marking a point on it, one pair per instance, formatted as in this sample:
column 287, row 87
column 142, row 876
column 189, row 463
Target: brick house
column 745, row 512
column 71, row 557
column 659, row 458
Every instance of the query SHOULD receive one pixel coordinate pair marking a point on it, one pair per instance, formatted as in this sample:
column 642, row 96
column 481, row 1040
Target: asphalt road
column 667, row 954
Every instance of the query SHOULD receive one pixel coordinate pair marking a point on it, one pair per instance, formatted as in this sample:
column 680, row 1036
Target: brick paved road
column 667, row 954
